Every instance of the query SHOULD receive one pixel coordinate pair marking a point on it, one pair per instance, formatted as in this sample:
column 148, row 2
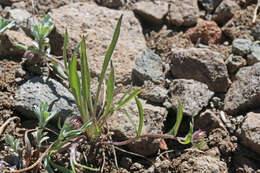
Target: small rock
column 111, row 3
column 123, row 128
column 206, row 32
column 198, row 162
column 202, row 65
column 19, row 72
column 210, row 5
column 193, row 95
column 217, row 103
column 241, row 46
column 42, row 89
column 183, row 13
column 243, row 95
column 8, row 41
column 208, row 120
column 225, row 11
column 254, row 56
column 151, row 11
column 256, row 32
column 126, row 162
column 148, row 66
column 20, row 16
column 157, row 95
column 20, row 5
column 250, row 132
column 234, row 62
column 136, row 167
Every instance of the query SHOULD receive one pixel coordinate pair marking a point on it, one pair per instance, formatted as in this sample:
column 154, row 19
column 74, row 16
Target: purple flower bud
column 198, row 135
column 29, row 54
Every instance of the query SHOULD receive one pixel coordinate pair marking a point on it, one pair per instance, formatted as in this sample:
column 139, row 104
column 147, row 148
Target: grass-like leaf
column 130, row 97
column 85, row 77
column 141, row 116
column 106, row 61
column 4, row 25
column 65, row 51
column 177, row 124
column 110, row 93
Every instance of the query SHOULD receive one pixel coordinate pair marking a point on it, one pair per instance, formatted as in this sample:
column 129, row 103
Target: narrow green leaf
column 86, row 167
column 20, row 46
column 85, row 77
column 125, row 94
column 59, row 69
column 110, row 88
column 188, row 137
column 177, row 124
column 141, row 116
column 65, row 51
column 106, row 60
column 131, row 96
column 60, row 168
column 75, row 85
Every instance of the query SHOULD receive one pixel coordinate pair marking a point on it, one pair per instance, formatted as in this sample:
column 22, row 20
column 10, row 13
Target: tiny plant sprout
column 13, row 143
column 44, row 117
column 4, row 25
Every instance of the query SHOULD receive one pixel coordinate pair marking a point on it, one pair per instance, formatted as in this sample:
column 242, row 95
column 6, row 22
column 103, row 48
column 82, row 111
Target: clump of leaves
column 5, row 24
column 39, row 53
column 13, row 143
column 44, row 116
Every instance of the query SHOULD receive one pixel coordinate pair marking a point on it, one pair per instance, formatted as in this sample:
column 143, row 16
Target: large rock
column 193, row 95
column 9, row 40
column 148, row 66
column 154, row 117
column 37, row 90
column 206, row 32
column 20, row 16
column 202, row 65
column 152, row 12
column 183, row 13
column 99, row 24
column 250, row 131
column 225, row 11
column 244, row 93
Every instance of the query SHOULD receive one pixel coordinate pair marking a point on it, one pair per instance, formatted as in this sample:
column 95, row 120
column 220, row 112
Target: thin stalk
column 151, row 135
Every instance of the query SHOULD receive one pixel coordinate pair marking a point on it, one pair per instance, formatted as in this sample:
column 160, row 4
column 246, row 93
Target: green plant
column 41, row 49
column 44, row 117
column 95, row 110
column 13, row 143
column 4, row 25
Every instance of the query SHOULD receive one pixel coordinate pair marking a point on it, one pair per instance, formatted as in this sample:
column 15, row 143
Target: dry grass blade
column 255, row 11
column 2, row 128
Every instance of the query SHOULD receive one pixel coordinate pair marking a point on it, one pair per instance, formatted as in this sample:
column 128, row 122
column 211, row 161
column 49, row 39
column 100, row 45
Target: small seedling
column 13, row 143
column 4, row 25
column 44, row 117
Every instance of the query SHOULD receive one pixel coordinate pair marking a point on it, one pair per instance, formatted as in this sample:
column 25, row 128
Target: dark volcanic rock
column 244, row 93
column 37, row 90
column 193, row 95
column 202, row 65
column 148, row 66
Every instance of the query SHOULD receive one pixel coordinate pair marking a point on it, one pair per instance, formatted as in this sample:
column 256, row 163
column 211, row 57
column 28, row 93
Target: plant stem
column 151, row 135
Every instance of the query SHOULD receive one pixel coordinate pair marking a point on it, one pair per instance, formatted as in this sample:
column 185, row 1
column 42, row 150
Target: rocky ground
column 205, row 53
